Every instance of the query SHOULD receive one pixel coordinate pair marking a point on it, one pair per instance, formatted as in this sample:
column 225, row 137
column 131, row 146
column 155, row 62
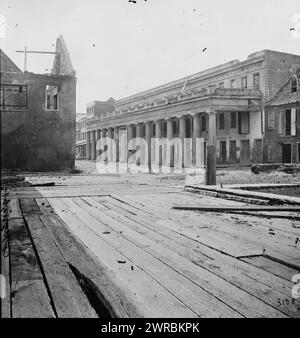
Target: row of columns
column 113, row 132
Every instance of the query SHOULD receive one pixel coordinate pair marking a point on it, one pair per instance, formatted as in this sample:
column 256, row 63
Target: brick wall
column 279, row 68
column 38, row 139
column 273, row 140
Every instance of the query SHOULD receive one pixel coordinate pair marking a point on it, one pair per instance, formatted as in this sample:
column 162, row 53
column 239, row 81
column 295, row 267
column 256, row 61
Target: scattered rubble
column 286, row 168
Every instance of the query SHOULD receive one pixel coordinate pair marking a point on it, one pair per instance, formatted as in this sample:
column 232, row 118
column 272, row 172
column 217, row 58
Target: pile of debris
column 12, row 180
column 288, row 168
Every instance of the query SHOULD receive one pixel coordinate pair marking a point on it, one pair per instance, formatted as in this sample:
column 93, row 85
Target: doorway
column 286, row 153
column 223, row 151
column 245, row 151
column 258, row 151
column 232, row 151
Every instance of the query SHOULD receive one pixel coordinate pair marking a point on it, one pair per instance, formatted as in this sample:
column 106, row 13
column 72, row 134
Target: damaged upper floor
column 38, row 115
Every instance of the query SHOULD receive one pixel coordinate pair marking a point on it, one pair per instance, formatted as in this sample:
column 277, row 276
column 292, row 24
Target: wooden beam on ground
column 224, row 195
column 156, row 299
column 170, row 258
column 29, row 293
column 217, row 208
column 68, row 297
column 113, row 293
column 229, row 193
column 267, row 286
column 4, row 263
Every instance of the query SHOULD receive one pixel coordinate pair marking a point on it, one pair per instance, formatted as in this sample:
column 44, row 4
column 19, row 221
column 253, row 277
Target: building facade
column 38, row 115
column 223, row 106
column 282, row 136
column 80, row 137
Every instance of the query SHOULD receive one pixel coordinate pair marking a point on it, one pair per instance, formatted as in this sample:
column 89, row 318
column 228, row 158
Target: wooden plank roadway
column 42, row 284
column 143, row 259
column 126, row 231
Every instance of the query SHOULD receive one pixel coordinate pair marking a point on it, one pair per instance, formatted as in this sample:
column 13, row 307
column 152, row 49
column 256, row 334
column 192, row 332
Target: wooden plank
column 201, row 232
column 14, row 210
column 118, row 204
column 29, row 207
column 146, row 245
column 188, row 199
column 84, row 190
column 151, row 299
column 280, row 246
column 283, row 228
column 227, row 292
column 290, row 228
column 29, row 295
column 127, row 201
column 108, row 288
column 44, row 206
column 67, row 295
column 259, row 283
column 220, row 234
column 226, row 196
column 198, row 300
column 275, row 268
column 281, row 215
column 216, row 208
column 247, row 194
column 4, row 264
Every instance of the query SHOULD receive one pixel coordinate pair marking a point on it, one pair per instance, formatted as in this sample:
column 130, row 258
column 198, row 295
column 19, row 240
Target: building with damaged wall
column 38, row 115
column 282, row 135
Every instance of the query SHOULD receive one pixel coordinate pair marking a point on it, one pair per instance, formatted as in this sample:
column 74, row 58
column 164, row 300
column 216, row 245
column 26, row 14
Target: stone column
column 103, row 138
column 139, row 129
column 196, row 134
column 182, row 136
column 131, row 148
column 211, row 149
column 129, row 133
column 93, row 146
column 139, row 134
column 98, row 137
column 148, row 139
column 117, row 140
column 170, row 137
column 158, row 148
column 88, row 145
column 98, row 134
column 109, row 143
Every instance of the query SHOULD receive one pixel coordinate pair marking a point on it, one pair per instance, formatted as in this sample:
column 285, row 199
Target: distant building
column 81, row 136
column 282, row 137
column 99, row 109
column 96, row 111
column 224, row 106
column 38, row 115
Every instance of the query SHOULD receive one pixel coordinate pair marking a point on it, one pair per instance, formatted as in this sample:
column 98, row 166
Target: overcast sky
column 119, row 48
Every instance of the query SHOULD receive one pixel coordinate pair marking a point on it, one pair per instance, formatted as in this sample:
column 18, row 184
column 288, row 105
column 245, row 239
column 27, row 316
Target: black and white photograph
column 150, row 163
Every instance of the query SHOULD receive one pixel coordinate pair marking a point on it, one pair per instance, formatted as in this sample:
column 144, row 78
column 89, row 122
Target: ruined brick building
column 38, row 115
column 226, row 106
column 282, row 135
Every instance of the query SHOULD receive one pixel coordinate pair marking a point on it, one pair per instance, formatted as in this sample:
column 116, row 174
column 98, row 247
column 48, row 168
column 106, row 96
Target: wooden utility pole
column 25, row 59
column 211, row 149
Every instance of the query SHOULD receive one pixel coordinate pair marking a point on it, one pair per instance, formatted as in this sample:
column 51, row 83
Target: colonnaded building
column 228, row 109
